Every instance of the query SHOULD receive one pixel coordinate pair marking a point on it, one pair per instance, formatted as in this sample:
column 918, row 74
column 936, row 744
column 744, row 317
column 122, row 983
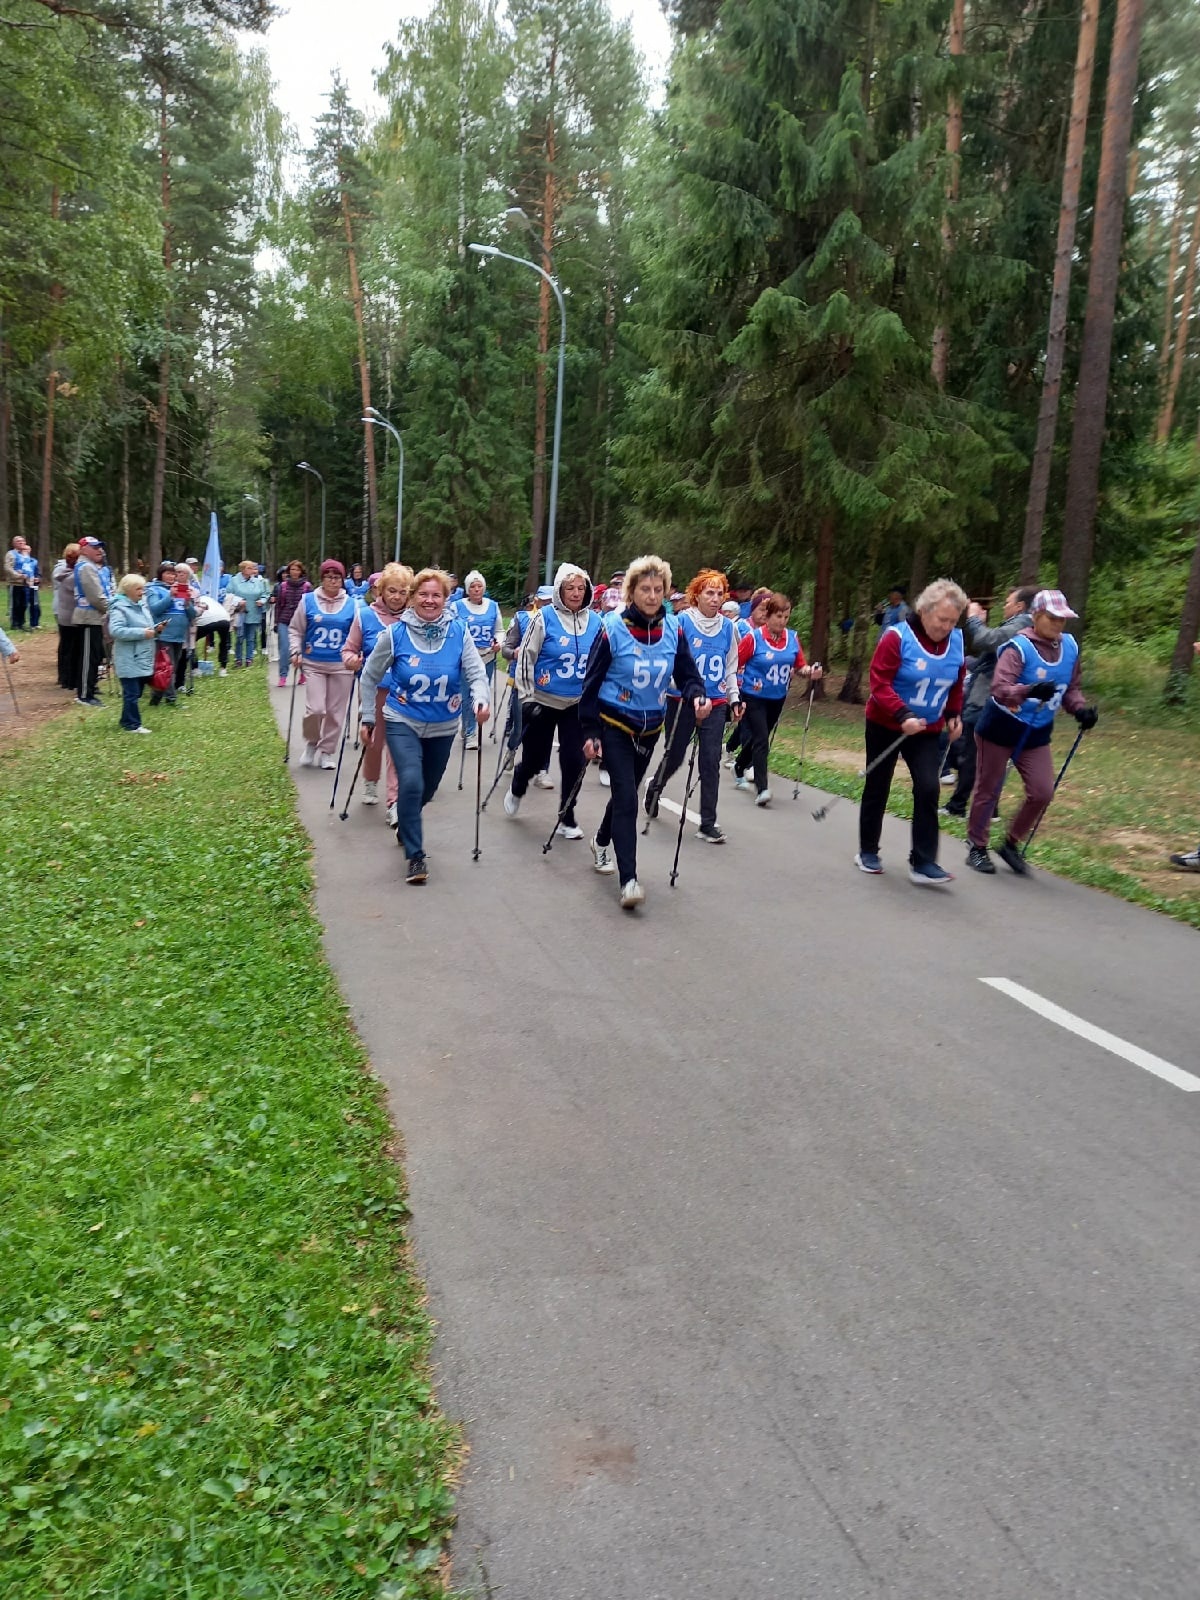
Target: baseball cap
column 91, row 544
column 545, row 591
column 1055, row 602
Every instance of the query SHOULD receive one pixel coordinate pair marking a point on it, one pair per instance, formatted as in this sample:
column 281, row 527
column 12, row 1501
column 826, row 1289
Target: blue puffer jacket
column 133, row 653
column 162, row 602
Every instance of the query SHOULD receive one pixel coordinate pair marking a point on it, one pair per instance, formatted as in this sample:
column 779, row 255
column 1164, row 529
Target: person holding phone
column 171, row 604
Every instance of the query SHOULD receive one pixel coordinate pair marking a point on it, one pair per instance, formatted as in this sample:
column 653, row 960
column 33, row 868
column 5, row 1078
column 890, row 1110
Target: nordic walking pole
column 478, row 791
column 567, row 806
column 11, row 689
column 496, row 720
column 462, row 760
column 687, row 795
column 342, row 750
column 654, row 781
column 287, row 749
column 804, row 740
column 362, row 750
column 500, row 771
column 822, row 812
column 1053, row 792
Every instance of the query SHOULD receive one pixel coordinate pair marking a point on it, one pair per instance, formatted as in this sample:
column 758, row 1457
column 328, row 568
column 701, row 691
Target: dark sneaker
column 1187, row 863
column 979, row 861
column 929, row 875
column 651, row 801
column 417, row 870
column 90, row 701
column 710, row 835
column 868, row 861
column 1013, row 858
column 951, row 810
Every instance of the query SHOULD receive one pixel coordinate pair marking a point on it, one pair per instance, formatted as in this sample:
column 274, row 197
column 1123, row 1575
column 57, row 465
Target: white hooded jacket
column 571, row 622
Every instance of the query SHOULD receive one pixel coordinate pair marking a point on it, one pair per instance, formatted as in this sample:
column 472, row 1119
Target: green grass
column 214, row 1357
column 1130, row 797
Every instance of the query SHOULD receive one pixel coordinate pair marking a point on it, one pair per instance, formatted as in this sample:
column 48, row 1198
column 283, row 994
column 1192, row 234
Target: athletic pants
column 626, row 761
column 91, row 658
column 68, row 655
column 326, row 697
column 419, row 765
column 708, row 757
column 1037, row 774
column 221, row 631
column 537, row 743
column 758, row 724
column 923, row 760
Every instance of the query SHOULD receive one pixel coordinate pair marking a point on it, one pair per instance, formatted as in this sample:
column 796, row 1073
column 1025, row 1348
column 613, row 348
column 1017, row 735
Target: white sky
column 312, row 38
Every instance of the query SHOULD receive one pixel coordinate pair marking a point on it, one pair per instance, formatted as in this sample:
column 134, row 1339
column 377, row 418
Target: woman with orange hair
column 712, row 638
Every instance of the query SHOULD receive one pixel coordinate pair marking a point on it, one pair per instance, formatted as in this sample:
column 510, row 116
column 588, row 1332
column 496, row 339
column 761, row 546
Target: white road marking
column 1087, row 1030
column 673, row 805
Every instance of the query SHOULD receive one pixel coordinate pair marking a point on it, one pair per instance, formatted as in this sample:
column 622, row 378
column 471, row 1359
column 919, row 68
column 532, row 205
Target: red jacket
column 884, row 705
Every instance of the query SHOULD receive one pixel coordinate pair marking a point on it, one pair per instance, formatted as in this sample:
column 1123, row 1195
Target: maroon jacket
column 288, row 596
column 884, row 705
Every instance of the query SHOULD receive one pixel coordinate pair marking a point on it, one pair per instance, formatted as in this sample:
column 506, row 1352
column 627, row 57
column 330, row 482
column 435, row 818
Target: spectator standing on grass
column 894, row 609
column 134, row 632
column 93, row 588
column 254, row 593
column 985, row 643
column 289, row 592
column 170, row 600
column 63, row 579
column 19, row 567
column 1188, row 860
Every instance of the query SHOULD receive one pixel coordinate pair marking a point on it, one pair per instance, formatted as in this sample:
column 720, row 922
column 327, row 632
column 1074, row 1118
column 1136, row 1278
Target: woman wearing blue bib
column 623, row 707
column 428, row 665
column 1037, row 671
column 770, row 656
column 916, row 690
column 319, row 628
column 482, row 618
column 394, row 585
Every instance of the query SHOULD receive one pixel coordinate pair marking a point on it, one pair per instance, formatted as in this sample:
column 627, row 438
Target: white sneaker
column 763, row 799
column 473, row 742
column 543, row 780
column 224, row 672
column 564, row 831
column 142, row 728
column 632, row 894
column 370, row 795
column 742, row 783
column 328, row 763
column 393, row 815
column 512, row 804
column 602, row 859
column 605, row 780
column 309, row 758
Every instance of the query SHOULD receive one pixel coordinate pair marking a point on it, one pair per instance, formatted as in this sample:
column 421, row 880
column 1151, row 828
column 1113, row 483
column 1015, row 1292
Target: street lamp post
column 521, row 261
column 376, row 418
column 303, row 466
column 262, row 528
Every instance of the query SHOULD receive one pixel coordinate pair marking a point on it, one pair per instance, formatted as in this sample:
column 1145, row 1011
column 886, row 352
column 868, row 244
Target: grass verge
column 1128, row 800
column 214, row 1375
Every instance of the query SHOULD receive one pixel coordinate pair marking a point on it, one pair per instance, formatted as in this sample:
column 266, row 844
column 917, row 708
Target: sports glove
column 1040, row 691
column 1087, row 718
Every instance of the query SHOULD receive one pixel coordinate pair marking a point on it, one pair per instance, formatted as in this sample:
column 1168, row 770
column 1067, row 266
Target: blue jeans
column 419, row 765
column 468, row 717
column 131, row 693
column 245, row 641
column 285, row 649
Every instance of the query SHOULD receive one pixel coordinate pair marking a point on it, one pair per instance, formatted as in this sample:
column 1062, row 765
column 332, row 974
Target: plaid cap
column 1055, row 602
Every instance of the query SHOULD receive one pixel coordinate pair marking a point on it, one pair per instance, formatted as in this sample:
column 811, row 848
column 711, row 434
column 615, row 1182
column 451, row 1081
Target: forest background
column 877, row 289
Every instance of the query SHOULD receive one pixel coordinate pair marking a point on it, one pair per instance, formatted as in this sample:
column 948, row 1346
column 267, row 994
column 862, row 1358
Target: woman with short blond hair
column 392, row 588
column 134, row 632
column 916, row 690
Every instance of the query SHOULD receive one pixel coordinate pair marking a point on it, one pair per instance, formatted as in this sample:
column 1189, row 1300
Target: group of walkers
column 597, row 673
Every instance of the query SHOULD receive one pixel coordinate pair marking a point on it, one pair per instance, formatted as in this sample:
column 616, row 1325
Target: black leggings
column 537, row 743
column 923, row 758
column 625, row 760
column 682, row 723
column 758, row 724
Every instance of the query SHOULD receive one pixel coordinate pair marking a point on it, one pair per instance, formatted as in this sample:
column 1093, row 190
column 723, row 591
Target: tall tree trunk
column 272, row 513
column 42, row 550
column 5, row 420
column 919, row 571
column 1180, row 211
column 851, row 690
column 159, row 481
column 18, row 476
column 940, row 364
column 549, row 201
column 1167, row 415
column 1060, row 296
column 364, row 380
column 818, row 643
column 1175, row 689
column 1091, row 400
column 125, row 501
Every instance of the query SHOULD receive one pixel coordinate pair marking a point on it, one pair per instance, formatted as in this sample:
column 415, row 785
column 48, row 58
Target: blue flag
column 210, row 577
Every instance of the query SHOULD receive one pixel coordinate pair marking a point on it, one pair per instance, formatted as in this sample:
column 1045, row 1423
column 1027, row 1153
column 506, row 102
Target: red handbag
column 163, row 675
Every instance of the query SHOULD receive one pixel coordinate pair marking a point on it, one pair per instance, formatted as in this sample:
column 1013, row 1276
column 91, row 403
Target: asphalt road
column 773, row 1251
